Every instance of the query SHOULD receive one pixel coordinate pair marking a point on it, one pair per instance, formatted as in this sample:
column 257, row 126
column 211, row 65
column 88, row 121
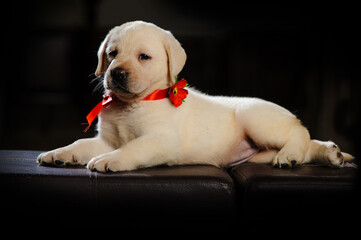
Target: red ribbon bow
column 176, row 94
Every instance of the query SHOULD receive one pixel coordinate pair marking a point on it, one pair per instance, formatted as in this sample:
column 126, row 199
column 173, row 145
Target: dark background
column 301, row 55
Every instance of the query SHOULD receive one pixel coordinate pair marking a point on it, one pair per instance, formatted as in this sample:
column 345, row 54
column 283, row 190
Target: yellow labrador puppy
column 136, row 60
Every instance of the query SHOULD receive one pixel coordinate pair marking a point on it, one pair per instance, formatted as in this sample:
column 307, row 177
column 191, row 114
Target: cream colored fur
column 203, row 130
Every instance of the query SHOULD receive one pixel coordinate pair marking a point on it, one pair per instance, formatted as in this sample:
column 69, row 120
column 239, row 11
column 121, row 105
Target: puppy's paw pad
column 284, row 165
column 293, row 162
column 59, row 162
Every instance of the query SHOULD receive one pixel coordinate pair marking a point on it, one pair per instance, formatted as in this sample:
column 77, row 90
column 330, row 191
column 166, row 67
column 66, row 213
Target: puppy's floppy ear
column 102, row 58
column 176, row 56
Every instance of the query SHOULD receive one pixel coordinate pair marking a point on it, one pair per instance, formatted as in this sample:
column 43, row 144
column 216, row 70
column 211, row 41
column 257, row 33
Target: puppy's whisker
column 91, row 75
column 96, row 79
column 99, row 85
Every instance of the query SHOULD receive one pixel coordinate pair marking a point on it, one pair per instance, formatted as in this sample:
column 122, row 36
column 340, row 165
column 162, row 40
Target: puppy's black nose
column 119, row 74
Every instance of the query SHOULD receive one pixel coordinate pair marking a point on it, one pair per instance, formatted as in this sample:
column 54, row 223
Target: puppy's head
column 137, row 58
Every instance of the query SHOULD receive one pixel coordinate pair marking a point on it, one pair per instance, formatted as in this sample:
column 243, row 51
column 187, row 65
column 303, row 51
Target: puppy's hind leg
column 288, row 155
column 265, row 156
column 326, row 153
column 294, row 150
column 273, row 127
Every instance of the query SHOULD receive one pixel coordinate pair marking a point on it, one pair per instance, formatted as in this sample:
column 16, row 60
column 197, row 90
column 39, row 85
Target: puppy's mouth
column 124, row 94
column 121, row 90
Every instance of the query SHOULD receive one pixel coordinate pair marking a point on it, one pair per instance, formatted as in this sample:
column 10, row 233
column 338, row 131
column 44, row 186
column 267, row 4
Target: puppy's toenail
column 59, row 162
column 45, row 163
column 293, row 162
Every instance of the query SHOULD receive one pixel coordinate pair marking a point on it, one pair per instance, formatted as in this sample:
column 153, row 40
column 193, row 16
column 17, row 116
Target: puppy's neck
column 153, row 88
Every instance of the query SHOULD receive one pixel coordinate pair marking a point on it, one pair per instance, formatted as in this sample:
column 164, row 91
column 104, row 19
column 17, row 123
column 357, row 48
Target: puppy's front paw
column 109, row 162
column 56, row 157
column 99, row 164
column 59, row 157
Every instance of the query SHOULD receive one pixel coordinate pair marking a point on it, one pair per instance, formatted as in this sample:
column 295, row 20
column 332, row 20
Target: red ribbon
column 156, row 95
column 107, row 99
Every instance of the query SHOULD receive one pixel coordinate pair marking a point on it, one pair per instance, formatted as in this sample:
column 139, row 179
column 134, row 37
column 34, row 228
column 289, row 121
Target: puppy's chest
column 121, row 127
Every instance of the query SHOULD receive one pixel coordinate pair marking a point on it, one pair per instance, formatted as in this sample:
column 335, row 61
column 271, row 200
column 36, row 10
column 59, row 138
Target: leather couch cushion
column 307, row 196
column 159, row 192
column 303, row 179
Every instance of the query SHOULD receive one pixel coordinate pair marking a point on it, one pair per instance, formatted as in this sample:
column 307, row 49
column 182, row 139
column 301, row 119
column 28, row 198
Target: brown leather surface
column 264, row 177
column 178, row 190
column 307, row 197
column 252, row 197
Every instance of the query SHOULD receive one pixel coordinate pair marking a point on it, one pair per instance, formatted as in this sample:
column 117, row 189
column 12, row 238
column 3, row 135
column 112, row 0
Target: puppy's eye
column 113, row 53
column 144, row 57
column 335, row 146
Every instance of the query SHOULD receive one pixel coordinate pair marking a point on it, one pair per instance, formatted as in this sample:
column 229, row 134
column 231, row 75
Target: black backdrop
column 301, row 55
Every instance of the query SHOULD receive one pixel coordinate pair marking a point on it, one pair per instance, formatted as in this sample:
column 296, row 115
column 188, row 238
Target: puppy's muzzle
column 119, row 79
